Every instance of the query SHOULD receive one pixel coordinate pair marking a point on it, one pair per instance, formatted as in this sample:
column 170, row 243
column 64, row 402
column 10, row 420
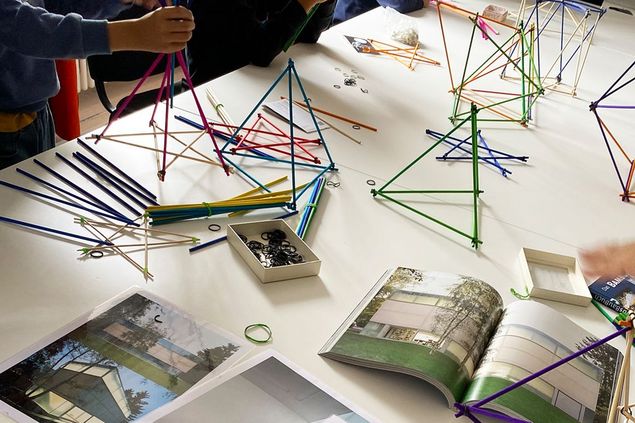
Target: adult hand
column 165, row 30
column 609, row 261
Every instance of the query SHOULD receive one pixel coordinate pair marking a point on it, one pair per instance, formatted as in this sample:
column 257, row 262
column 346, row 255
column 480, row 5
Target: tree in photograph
column 213, row 357
column 136, row 402
column 134, row 309
column 398, row 280
column 607, row 358
column 474, row 299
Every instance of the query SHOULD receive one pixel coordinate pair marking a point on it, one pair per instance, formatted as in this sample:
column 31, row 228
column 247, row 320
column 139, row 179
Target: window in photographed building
column 425, row 338
column 401, row 334
column 372, row 329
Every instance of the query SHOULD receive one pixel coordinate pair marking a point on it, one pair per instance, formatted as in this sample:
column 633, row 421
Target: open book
column 453, row 332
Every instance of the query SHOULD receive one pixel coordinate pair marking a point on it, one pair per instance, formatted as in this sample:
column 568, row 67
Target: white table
column 563, row 199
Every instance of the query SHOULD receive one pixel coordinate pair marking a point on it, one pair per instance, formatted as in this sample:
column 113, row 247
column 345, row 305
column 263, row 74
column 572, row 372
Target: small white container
column 253, row 230
column 554, row 277
column 495, row 13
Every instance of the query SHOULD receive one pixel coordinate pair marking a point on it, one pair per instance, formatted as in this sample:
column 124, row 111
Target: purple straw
column 549, row 368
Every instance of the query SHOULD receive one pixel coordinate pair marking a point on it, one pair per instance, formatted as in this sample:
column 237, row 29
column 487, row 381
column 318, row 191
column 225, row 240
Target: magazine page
column 431, row 325
column 115, row 365
column 266, row 389
column 530, row 337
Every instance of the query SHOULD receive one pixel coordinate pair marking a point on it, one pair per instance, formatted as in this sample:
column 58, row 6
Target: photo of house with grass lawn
column 453, row 332
column 433, row 325
column 525, row 342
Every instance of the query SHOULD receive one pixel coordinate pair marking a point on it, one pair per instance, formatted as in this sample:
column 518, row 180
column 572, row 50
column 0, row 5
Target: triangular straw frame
column 387, row 194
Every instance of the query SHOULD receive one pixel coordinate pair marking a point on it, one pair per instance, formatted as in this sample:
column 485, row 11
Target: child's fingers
column 181, row 26
column 180, row 37
column 178, row 13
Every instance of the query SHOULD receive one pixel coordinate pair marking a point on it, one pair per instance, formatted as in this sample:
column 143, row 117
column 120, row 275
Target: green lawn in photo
column 403, row 354
column 521, row 400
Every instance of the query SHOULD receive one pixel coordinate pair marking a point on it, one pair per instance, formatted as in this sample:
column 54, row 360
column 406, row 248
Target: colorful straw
column 298, row 31
column 116, row 169
column 51, row 230
column 309, row 209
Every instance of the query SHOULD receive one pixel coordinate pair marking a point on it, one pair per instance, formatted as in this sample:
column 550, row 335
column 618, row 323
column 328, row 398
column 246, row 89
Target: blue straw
column 58, row 200
column 55, row 187
column 97, row 184
column 264, row 97
column 115, row 168
column 76, row 187
column 51, row 230
column 307, row 209
column 122, row 186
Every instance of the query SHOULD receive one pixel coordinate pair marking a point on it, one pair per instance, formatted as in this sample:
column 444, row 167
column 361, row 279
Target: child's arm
column 33, row 31
column 90, row 9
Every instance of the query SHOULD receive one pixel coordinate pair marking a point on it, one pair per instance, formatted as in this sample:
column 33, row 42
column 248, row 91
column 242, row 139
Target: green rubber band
column 209, row 209
column 258, row 326
column 520, row 296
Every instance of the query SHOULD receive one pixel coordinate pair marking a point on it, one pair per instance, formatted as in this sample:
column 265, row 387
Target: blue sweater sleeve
column 92, row 9
column 33, row 31
column 402, row 6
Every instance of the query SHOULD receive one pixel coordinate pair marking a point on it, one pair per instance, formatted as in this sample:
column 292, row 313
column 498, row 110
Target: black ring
column 214, row 227
column 96, row 254
column 371, row 182
column 333, row 184
column 336, row 86
column 357, row 127
column 364, row 90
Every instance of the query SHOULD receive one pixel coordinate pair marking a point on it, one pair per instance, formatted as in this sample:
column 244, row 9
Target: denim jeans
column 33, row 139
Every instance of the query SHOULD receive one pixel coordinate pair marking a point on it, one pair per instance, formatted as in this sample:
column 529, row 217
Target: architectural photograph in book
column 453, row 332
column 430, row 324
column 527, row 340
column 117, row 367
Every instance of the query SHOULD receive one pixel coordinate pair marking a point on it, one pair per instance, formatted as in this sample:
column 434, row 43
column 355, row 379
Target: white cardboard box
column 253, row 230
column 554, row 277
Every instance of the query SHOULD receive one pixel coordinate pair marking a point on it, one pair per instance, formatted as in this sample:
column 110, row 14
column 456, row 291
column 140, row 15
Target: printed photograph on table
column 123, row 362
column 266, row 389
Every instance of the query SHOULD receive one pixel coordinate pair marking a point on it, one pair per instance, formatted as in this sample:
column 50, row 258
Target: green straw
column 297, row 33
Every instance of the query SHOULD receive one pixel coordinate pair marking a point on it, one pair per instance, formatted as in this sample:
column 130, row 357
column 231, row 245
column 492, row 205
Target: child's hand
column 165, row 30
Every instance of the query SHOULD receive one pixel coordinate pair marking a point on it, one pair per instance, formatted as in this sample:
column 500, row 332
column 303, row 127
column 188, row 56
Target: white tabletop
column 565, row 198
